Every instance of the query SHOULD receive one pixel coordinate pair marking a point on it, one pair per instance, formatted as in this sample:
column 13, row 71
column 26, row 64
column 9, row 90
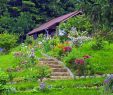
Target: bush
column 26, row 56
column 3, row 80
column 43, row 71
column 29, row 40
column 98, row 45
column 7, row 41
column 79, row 62
column 99, row 42
column 82, row 23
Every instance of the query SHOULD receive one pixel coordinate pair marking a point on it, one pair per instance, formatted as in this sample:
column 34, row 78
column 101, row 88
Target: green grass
column 60, row 84
column 7, row 61
column 87, row 82
column 61, row 87
column 66, row 91
column 101, row 60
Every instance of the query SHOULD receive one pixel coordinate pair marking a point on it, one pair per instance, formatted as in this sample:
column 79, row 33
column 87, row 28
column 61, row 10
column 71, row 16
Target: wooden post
column 47, row 33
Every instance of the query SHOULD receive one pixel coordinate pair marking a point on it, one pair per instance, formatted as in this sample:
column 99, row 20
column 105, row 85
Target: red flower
column 79, row 61
column 86, row 56
column 67, row 49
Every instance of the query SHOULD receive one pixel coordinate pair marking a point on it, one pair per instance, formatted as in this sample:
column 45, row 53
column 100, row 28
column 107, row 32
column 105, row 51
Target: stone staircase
column 59, row 72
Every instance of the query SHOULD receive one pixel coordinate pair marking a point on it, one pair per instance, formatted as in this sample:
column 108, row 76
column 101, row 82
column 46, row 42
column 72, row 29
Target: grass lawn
column 7, row 61
column 61, row 87
column 101, row 60
column 66, row 91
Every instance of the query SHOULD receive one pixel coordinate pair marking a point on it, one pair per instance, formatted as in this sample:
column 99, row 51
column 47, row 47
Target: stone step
column 51, row 62
column 60, row 74
column 59, row 70
column 54, row 66
column 44, row 59
column 60, row 77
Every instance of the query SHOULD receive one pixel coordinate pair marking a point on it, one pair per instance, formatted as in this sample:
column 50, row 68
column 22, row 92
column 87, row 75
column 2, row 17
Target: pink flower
column 79, row 61
column 86, row 56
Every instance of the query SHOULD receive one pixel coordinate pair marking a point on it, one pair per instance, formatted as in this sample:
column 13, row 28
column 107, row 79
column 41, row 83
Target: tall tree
column 3, row 6
column 100, row 11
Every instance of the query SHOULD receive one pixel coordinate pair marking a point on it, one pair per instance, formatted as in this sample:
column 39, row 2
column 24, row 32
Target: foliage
column 6, row 23
column 43, row 72
column 49, row 44
column 78, row 63
column 83, row 66
column 106, row 34
column 26, row 56
column 100, row 11
column 29, row 40
column 3, row 80
column 80, row 40
column 20, row 25
column 3, row 6
column 81, row 23
column 8, row 41
column 99, row 44
column 24, row 23
column 60, row 49
column 97, row 63
column 109, row 37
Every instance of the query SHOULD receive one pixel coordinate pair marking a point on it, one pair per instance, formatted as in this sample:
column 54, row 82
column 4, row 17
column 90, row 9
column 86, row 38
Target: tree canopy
column 21, row 16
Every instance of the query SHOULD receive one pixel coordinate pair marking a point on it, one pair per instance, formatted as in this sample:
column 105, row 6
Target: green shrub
column 56, row 52
column 8, row 41
column 98, row 45
column 29, row 40
column 3, row 80
column 43, row 72
column 82, row 23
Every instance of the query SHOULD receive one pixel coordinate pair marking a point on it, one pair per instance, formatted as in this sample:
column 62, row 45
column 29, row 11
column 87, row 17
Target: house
column 49, row 27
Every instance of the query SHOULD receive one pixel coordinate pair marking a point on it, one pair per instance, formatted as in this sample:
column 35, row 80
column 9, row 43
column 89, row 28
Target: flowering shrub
column 25, row 56
column 82, row 65
column 108, row 82
column 67, row 49
column 80, row 40
column 79, row 61
column 60, row 49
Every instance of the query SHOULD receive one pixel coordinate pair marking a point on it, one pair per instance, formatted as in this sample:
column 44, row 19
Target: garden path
column 59, row 71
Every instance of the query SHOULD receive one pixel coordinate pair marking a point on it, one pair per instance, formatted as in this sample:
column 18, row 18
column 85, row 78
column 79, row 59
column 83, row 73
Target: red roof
column 54, row 21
